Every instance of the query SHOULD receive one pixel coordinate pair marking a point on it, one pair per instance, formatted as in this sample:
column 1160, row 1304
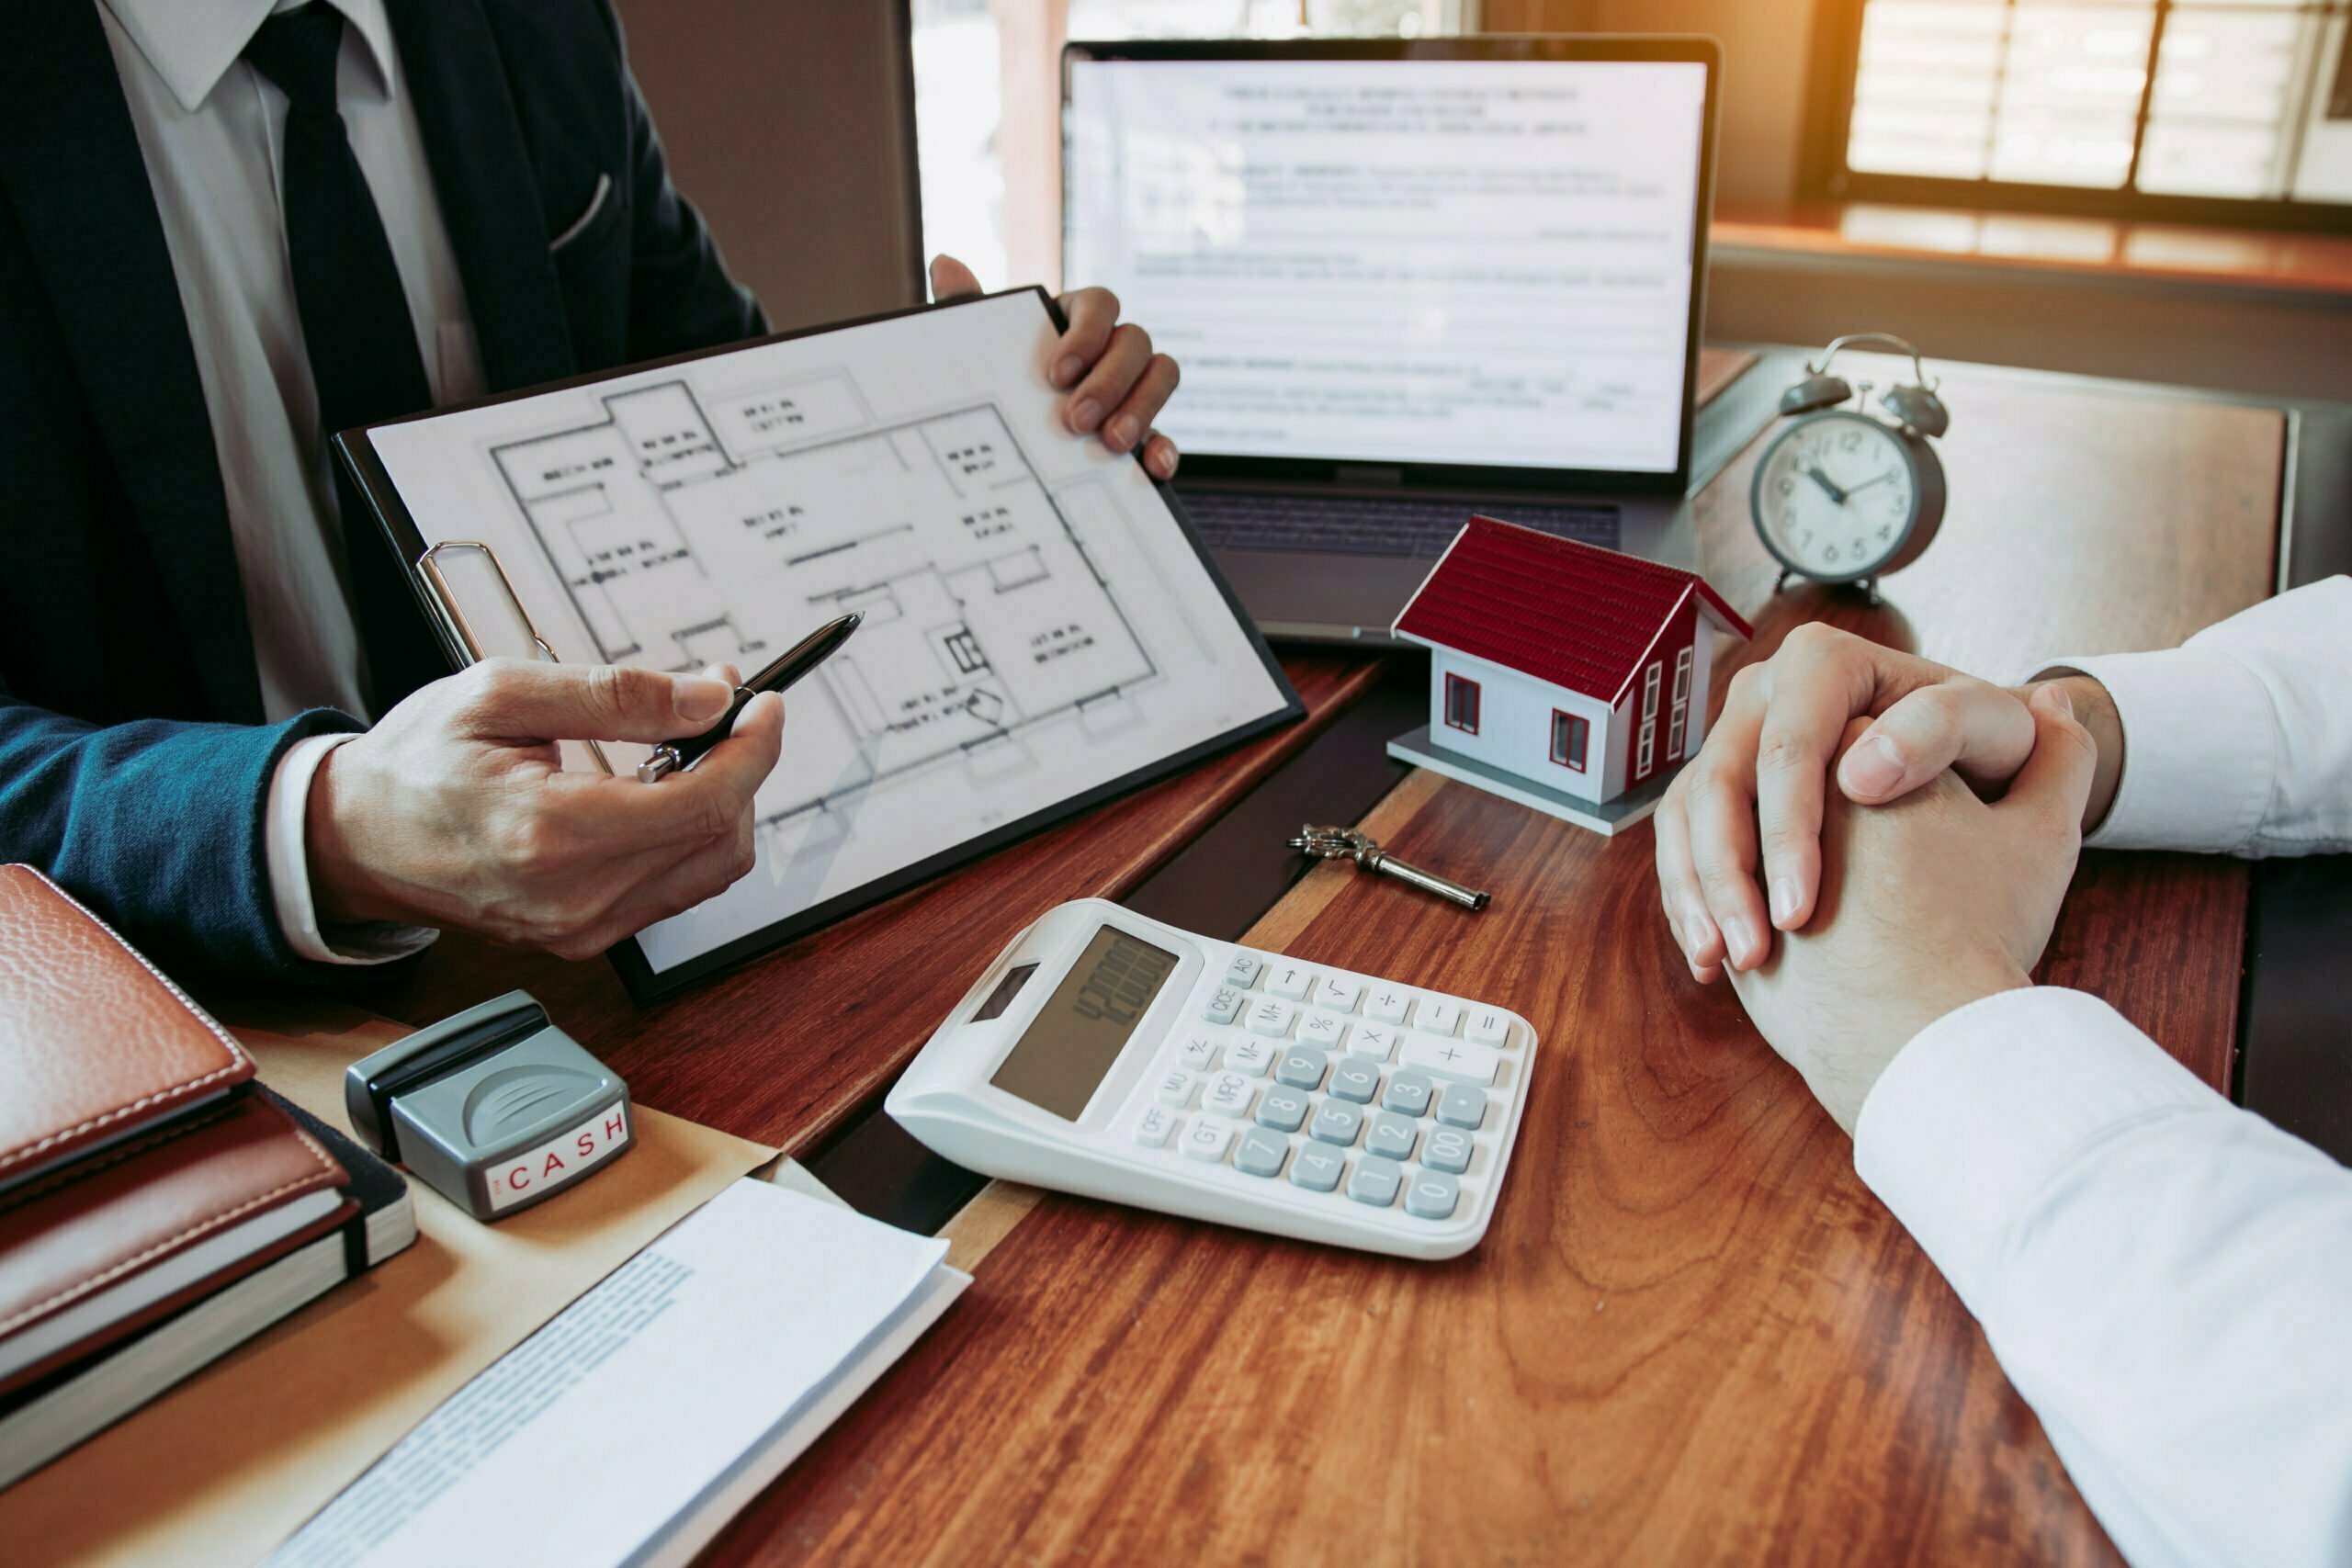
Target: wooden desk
column 1692, row 1332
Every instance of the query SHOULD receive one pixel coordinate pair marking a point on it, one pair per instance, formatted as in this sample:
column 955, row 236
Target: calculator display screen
column 1067, row 1049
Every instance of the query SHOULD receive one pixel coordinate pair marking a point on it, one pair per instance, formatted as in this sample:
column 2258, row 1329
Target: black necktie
column 356, row 325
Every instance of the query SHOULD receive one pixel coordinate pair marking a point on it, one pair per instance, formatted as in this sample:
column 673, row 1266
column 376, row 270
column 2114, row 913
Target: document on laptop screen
column 1478, row 262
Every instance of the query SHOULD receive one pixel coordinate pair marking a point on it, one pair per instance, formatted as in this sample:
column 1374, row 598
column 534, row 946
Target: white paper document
column 1037, row 623
column 636, row 1423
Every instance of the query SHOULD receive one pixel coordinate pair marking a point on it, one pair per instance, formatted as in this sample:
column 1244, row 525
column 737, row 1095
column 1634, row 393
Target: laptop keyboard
column 1367, row 525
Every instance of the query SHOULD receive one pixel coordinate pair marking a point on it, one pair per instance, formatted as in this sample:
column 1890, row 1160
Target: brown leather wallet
column 96, row 1043
column 83, row 1233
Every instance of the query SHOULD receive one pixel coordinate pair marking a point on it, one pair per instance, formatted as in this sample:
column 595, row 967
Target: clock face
column 1836, row 495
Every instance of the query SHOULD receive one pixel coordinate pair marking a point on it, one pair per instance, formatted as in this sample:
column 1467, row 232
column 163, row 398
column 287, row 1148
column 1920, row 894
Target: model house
column 1564, row 675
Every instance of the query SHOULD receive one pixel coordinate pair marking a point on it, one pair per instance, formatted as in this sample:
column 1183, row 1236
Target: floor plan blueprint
column 1036, row 623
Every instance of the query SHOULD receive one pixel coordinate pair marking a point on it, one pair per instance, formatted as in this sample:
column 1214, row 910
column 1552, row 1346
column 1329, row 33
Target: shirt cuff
column 286, row 815
column 1986, row 1106
column 2199, row 750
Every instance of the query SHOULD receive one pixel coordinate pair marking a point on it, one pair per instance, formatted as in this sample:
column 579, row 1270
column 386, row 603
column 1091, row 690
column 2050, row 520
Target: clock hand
column 1822, row 481
column 1866, row 484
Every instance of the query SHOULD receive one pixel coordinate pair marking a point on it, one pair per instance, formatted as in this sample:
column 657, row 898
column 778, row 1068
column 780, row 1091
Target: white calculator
column 1112, row 1056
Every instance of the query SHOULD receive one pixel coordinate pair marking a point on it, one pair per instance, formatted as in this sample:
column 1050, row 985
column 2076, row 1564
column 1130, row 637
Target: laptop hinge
column 1370, row 476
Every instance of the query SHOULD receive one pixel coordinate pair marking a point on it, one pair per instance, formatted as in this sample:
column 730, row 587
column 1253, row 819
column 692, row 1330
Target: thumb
column 524, row 699
column 951, row 279
column 2055, row 781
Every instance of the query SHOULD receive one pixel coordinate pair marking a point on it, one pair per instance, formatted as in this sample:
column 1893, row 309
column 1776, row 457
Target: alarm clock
column 1846, row 494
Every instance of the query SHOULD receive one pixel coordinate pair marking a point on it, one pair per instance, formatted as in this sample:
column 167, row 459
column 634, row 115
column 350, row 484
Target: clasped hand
column 1929, row 877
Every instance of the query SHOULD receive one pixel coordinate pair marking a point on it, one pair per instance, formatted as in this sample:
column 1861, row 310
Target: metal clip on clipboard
column 460, row 632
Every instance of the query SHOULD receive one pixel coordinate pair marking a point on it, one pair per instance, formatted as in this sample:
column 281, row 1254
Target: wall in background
column 787, row 124
column 1765, row 43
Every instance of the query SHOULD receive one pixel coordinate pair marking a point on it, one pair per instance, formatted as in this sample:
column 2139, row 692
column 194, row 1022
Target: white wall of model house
column 1515, row 725
column 1515, row 718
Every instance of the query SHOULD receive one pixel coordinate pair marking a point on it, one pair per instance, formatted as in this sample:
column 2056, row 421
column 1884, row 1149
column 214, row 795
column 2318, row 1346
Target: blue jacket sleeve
column 156, row 825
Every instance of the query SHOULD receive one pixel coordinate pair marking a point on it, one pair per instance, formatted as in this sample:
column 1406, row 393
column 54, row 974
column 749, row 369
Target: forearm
column 2237, row 742
column 159, row 827
column 2161, row 1274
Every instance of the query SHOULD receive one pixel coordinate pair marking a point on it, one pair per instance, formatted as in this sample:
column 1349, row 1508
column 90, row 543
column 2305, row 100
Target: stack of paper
column 633, row 1426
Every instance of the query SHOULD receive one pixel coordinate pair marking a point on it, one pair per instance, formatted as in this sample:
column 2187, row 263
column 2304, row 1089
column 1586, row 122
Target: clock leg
column 1869, row 592
column 1780, row 581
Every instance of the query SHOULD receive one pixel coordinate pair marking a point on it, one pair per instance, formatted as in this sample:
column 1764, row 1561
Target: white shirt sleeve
column 2239, row 742
column 287, row 812
column 2166, row 1278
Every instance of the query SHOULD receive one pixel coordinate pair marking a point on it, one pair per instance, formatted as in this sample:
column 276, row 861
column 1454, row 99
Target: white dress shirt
column 2166, row 1278
column 212, row 133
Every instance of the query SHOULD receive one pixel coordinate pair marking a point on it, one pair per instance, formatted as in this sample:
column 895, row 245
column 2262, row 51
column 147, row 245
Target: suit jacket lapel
column 481, row 171
column 71, row 163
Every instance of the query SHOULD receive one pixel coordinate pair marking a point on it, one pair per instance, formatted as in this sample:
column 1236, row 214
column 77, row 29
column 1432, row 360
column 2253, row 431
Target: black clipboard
column 356, row 449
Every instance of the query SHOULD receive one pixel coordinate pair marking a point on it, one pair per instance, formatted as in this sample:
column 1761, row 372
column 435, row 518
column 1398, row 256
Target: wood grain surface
column 1691, row 1333
column 785, row 1048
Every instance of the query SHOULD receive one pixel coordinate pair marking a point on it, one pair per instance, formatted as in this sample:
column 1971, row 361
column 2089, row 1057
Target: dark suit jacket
column 134, row 763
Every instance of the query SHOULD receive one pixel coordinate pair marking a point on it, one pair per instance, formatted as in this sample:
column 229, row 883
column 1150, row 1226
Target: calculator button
column 1301, row 1068
column 1439, row 1015
column 1198, row 1053
column 1487, row 1026
column 1271, row 1017
column 1323, row 1029
column 1337, row 992
column 1451, row 1058
column 1432, row 1196
column 1377, row 1041
column 1388, row 1003
column 1462, row 1106
column 1336, row 1121
column 1282, row 1109
column 1207, row 1139
column 1391, row 1136
column 1229, row 1094
column 1153, row 1127
column 1375, row 1181
column 1242, row 969
column 1250, row 1056
column 1260, row 1153
column 1408, row 1094
column 1223, row 1004
column 1315, row 1169
column 1358, row 1081
column 1448, row 1149
column 1176, row 1087
column 1289, row 979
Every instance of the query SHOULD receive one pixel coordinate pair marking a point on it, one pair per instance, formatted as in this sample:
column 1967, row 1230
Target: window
column 1680, row 722
column 1648, row 750
column 1461, row 704
column 1649, row 690
column 2232, row 110
column 1569, row 737
column 988, row 103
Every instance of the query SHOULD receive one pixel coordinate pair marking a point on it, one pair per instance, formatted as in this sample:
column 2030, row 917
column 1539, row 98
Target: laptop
column 1407, row 280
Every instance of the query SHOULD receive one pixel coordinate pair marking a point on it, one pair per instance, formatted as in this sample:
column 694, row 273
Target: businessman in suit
column 229, row 229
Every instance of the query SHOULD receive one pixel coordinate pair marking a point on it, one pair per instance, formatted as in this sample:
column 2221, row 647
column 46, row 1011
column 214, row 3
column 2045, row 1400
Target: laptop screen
column 1441, row 261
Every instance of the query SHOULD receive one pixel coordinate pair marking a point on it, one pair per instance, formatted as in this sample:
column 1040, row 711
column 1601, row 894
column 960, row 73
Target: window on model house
column 1648, row 750
column 1679, row 720
column 1461, row 704
column 1569, row 738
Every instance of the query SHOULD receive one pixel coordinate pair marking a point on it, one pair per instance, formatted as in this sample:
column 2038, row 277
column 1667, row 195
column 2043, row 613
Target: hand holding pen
column 677, row 756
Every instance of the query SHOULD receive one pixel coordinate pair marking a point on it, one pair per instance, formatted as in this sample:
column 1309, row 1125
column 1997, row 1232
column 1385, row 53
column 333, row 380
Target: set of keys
column 1349, row 843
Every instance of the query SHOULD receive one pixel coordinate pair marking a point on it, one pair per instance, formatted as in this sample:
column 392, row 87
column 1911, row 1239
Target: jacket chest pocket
column 592, row 268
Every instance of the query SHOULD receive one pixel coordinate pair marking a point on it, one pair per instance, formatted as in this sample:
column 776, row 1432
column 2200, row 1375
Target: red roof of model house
column 1572, row 614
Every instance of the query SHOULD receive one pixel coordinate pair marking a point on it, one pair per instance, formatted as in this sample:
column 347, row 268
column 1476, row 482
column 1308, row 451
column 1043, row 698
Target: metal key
column 1348, row 843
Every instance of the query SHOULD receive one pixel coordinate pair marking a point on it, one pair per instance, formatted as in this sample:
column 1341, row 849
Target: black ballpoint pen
column 675, row 756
